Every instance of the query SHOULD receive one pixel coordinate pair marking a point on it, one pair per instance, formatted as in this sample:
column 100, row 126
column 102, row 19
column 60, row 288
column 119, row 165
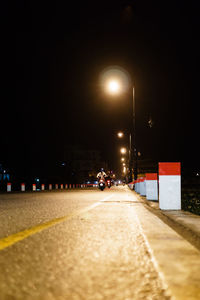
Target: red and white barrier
column 66, row 186
column 50, row 186
column 42, row 187
column 8, row 186
column 61, row 186
column 151, row 186
column 170, row 185
column 34, row 187
column 143, row 186
column 56, row 186
column 136, row 185
column 131, row 184
column 22, row 187
column 70, row 186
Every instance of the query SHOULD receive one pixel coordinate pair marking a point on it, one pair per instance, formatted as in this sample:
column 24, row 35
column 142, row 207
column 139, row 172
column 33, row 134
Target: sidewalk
column 186, row 220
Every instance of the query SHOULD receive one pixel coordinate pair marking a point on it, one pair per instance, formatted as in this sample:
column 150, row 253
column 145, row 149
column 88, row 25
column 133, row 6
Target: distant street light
column 116, row 81
column 123, row 150
column 122, row 159
column 120, row 134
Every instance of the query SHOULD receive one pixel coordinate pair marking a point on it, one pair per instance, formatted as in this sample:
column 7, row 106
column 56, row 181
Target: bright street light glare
column 113, row 86
column 120, row 134
column 115, row 80
column 122, row 159
column 123, row 150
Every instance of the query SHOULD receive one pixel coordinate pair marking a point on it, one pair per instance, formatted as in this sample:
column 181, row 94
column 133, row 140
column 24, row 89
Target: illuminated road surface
column 88, row 244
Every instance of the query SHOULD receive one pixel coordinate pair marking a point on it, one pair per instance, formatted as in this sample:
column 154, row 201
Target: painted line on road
column 17, row 237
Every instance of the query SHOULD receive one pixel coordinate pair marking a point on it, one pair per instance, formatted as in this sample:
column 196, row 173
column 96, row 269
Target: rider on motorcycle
column 101, row 175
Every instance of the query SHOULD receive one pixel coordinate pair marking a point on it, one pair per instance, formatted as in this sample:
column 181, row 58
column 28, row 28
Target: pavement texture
column 183, row 219
column 107, row 245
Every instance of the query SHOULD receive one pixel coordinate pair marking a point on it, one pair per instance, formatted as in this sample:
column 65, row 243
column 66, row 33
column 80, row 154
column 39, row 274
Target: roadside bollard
column 152, row 186
column 42, row 187
column 138, row 186
column 70, row 186
column 131, row 185
column 170, row 185
column 34, row 187
column 50, row 186
column 22, row 187
column 66, row 186
column 73, row 186
column 143, row 186
column 61, row 186
column 8, row 186
column 56, row 186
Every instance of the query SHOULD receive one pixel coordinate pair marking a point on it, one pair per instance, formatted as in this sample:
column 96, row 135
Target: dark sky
column 53, row 54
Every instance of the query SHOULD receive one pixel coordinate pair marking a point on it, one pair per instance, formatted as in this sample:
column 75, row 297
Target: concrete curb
column 185, row 221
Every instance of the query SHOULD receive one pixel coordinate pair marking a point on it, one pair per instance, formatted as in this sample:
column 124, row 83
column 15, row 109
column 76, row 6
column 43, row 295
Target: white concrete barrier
column 170, row 185
column 131, row 184
column 152, row 186
column 143, row 186
column 136, row 185
column 22, row 187
column 8, row 186
column 34, row 187
column 42, row 187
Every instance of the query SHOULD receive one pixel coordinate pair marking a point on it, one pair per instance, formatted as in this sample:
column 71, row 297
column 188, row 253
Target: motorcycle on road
column 101, row 184
column 109, row 183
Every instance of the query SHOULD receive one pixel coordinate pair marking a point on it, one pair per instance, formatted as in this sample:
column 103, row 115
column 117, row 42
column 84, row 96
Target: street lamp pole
column 133, row 148
column 130, row 158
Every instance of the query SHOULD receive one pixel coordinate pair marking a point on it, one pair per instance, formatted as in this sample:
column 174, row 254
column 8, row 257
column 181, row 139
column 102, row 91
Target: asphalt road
column 88, row 244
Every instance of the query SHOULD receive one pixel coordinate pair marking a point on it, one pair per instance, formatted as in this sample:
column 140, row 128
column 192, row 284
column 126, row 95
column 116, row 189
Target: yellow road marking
column 16, row 237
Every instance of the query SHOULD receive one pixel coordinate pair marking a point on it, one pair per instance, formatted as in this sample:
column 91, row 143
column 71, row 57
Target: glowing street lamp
column 120, row 134
column 122, row 159
column 117, row 81
column 123, row 150
column 113, row 86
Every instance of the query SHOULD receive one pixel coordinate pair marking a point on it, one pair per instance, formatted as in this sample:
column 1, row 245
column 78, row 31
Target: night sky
column 52, row 58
